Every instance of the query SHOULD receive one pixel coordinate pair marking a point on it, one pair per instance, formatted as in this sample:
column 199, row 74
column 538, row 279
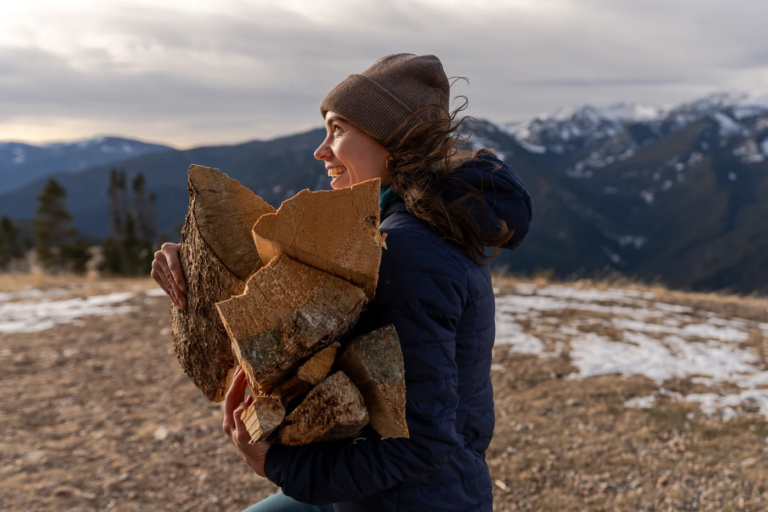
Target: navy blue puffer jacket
column 442, row 306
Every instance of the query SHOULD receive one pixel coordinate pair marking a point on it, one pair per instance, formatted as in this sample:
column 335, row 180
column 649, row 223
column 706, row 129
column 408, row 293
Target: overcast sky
column 220, row 71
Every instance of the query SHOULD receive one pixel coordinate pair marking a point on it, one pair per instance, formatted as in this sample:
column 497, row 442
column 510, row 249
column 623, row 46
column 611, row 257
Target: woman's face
column 351, row 156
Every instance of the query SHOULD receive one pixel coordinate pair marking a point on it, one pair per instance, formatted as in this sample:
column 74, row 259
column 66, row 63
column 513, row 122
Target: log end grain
column 374, row 362
column 288, row 311
column 336, row 231
column 226, row 212
column 309, row 374
column 263, row 417
column 333, row 410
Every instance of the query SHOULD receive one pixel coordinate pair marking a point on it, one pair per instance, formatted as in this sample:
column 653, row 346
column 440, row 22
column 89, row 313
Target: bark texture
column 226, row 212
column 288, row 311
column 374, row 362
column 336, row 231
column 309, row 374
column 333, row 410
column 262, row 417
column 200, row 340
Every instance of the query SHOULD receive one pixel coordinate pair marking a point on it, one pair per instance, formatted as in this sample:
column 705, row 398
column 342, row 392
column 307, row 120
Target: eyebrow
column 334, row 118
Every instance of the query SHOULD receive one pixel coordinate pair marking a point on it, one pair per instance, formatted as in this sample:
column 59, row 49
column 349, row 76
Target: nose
column 324, row 151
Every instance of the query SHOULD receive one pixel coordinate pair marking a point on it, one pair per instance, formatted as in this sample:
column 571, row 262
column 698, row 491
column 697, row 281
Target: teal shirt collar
column 387, row 196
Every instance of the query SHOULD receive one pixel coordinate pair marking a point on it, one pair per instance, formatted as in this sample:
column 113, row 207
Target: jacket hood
column 506, row 197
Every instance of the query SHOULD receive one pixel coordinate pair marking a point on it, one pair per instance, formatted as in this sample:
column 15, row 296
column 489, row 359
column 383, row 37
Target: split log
column 333, row 410
column 217, row 255
column 309, row 374
column 336, row 231
column 262, row 417
column 288, row 311
column 374, row 362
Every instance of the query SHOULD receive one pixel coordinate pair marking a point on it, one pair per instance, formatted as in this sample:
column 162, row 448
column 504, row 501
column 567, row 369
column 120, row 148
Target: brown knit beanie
column 380, row 98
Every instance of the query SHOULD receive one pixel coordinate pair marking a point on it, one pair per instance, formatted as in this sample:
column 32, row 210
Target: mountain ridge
column 674, row 194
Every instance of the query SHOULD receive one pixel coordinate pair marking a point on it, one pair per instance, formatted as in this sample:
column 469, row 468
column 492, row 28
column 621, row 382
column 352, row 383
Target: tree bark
column 374, row 362
column 201, row 343
column 333, row 410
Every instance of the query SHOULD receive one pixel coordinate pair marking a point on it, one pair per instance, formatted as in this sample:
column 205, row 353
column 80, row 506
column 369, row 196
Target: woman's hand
column 234, row 405
column 166, row 271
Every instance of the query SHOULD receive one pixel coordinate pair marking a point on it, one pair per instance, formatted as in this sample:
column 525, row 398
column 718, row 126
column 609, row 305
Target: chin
column 340, row 183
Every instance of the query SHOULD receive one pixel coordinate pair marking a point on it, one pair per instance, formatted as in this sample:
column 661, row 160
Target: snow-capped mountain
column 615, row 132
column 23, row 163
column 675, row 193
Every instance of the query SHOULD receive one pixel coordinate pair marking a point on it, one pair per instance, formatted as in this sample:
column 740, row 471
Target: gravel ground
column 97, row 415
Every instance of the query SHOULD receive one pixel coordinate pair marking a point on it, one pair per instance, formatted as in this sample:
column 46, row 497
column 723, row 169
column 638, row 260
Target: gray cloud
column 261, row 71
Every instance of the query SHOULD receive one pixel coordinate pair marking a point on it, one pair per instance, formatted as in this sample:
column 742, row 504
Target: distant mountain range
column 23, row 163
column 677, row 193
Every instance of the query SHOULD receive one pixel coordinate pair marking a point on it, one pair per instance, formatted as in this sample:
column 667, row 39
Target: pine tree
column 58, row 244
column 116, row 215
column 53, row 228
column 128, row 249
column 77, row 255
column 11, row 247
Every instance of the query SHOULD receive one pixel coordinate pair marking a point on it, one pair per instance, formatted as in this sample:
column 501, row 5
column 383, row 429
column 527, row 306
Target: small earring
column 391, row 159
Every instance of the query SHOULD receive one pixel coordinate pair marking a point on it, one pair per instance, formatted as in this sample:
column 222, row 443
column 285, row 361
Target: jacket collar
column 397, row 206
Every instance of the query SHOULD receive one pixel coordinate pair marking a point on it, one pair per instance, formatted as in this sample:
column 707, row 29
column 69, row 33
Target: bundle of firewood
column 278, row 293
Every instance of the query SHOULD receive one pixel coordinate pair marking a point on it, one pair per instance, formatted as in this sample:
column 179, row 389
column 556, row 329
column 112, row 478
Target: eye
column 336, row 126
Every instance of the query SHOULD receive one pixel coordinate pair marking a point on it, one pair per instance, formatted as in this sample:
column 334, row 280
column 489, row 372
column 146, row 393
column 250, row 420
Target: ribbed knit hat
column 380, row 98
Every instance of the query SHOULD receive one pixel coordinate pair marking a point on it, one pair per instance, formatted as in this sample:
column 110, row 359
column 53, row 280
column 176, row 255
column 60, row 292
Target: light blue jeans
column 281, row 503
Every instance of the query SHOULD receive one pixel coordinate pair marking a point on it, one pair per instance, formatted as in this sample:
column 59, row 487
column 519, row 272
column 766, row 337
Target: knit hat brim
column 384, row 96
column 383, row 111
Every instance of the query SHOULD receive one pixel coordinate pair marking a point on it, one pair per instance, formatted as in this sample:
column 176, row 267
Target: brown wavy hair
column 425, row 150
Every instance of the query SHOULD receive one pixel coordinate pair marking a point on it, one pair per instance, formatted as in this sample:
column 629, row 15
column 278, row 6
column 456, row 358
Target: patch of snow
column 728, row 334
column 31, row 316
column 672, row 308
column 727, row 125
column 19, row 157
column 33, row 293
column 511, row 333
column 596, row 355
column 578, row 172
column 586, row 294
column 718, row 333
column 647, row 195
column 156, row 292
column 533, row 148
column 528, row 289
column 615, row 258
column 641, row 402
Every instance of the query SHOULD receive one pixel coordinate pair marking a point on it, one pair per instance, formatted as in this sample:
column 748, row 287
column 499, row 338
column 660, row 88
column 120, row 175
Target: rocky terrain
column 608, row 397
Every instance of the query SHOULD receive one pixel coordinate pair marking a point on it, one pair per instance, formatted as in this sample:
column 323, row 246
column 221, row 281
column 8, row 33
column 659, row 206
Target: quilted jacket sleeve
column 422, row 293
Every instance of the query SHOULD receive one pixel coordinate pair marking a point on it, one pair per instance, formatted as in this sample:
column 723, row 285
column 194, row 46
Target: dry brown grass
column 78, row 285
column 82, row 403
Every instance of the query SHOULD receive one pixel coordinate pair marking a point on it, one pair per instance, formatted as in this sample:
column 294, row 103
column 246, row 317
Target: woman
column 439, row 213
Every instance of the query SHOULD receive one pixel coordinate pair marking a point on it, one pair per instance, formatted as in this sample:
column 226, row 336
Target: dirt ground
column 97, row 415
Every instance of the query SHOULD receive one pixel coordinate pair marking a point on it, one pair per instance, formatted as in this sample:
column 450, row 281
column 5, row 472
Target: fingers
column 171, row 252
column 162, row 268
column 159, row 279
column 240, row 433
column 233, row 398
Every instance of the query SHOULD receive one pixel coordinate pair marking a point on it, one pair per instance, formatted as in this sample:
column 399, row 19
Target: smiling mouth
column 335, row 172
